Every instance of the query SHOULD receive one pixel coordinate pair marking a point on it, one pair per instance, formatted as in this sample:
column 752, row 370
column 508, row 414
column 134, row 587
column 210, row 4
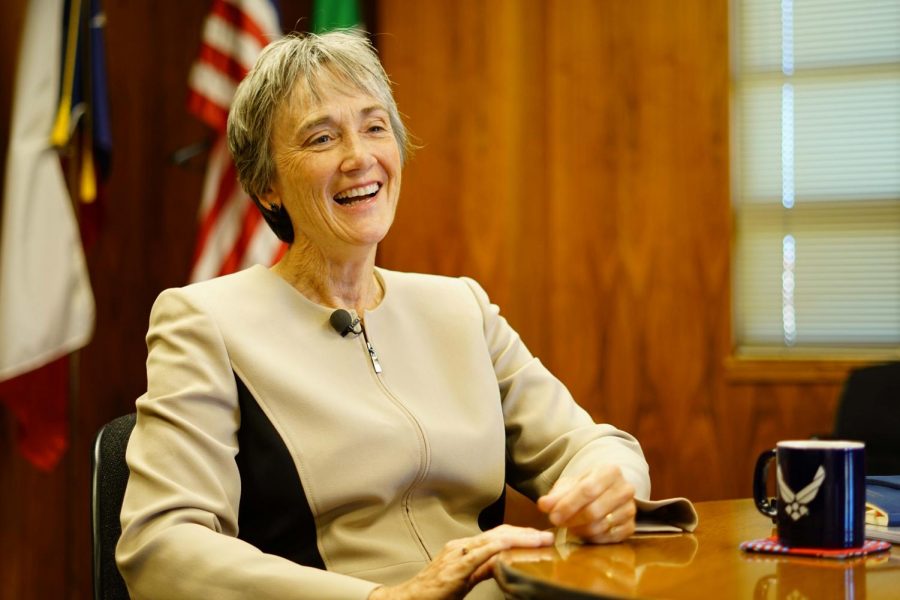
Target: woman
column 278, row 455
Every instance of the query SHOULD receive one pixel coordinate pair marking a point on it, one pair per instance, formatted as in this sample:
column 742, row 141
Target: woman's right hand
column 462, row 564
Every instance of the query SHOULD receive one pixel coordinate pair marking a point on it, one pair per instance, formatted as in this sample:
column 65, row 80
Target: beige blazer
column 271, row 460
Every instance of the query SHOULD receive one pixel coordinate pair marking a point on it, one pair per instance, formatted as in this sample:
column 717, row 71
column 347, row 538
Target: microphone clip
column 355, row 328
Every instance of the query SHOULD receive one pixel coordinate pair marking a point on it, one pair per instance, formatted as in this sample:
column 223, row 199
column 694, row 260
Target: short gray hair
column 311, row 60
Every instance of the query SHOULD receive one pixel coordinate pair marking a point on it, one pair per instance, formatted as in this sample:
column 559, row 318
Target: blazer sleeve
column 179, row 516
column 547, row 433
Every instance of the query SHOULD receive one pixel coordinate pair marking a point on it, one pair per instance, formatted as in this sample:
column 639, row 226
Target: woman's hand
column 598, row 506
column 463, row 563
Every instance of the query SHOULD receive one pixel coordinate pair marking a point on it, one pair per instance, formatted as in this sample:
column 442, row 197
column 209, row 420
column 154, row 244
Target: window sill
column 797, row 369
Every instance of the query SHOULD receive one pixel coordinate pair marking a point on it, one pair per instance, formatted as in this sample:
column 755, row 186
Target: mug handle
column 764, row 504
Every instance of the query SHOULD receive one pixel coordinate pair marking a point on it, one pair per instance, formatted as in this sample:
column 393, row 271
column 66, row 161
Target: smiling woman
column 272, row 454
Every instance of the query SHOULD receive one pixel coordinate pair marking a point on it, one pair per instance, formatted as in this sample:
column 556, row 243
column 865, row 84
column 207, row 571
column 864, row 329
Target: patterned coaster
column 770, row 545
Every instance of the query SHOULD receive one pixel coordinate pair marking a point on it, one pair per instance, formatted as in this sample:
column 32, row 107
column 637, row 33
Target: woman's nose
column 358, row 156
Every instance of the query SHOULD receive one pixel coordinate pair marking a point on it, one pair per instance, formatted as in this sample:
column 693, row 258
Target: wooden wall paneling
column 626, row 78
column 473, row 200
column 590, row 108
column 760, row 414
column 429, row 203
column 621, row 141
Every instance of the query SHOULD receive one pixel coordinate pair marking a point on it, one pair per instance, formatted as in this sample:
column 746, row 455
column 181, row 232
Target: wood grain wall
column 574, row 160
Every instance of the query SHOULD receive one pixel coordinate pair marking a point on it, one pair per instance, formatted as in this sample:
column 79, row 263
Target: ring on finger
column 610, row 520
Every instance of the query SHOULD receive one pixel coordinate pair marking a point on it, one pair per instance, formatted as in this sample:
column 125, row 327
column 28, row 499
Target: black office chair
column 110, row 475
column 869, row 410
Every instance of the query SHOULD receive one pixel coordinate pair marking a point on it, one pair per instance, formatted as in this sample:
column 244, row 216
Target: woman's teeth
column 356, row 194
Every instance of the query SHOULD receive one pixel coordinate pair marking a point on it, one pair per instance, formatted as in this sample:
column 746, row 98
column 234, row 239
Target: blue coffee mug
column 821, row 499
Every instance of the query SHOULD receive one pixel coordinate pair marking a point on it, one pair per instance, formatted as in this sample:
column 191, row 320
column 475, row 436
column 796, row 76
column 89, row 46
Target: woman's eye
column 377, row 128
column 320, row 139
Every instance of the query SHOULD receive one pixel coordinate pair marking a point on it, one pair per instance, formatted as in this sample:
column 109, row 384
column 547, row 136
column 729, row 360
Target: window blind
column 816, row 175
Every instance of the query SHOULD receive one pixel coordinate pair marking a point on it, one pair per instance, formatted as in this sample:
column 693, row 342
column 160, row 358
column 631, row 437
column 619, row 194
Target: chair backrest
column 869, row 410
column 110, row 475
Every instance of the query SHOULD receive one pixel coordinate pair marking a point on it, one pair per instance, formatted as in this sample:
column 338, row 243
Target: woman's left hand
column 597, row 506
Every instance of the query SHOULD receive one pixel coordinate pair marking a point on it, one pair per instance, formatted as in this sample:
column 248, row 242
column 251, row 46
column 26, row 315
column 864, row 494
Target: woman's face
column 337, row 169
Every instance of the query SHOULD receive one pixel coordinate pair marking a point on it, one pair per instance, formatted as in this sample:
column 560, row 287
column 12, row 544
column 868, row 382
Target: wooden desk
column 705, row 564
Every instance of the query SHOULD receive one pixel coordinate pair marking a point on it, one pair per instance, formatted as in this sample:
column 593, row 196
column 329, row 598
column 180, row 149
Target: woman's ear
column 273, row 211
column 270, row 200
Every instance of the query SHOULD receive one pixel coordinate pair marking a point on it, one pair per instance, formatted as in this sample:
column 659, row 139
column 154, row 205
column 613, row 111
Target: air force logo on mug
column 796, row 502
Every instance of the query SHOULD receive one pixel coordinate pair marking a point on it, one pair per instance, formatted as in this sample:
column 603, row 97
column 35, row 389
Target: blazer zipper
column 425, row 458
column 372, row 355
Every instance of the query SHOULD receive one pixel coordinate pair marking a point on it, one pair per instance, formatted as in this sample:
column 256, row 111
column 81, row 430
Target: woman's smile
column 363, row 194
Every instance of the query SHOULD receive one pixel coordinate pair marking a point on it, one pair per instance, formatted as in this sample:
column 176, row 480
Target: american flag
column 232, row 233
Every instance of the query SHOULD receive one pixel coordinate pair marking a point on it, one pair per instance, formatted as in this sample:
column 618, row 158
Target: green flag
column 335, row 14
